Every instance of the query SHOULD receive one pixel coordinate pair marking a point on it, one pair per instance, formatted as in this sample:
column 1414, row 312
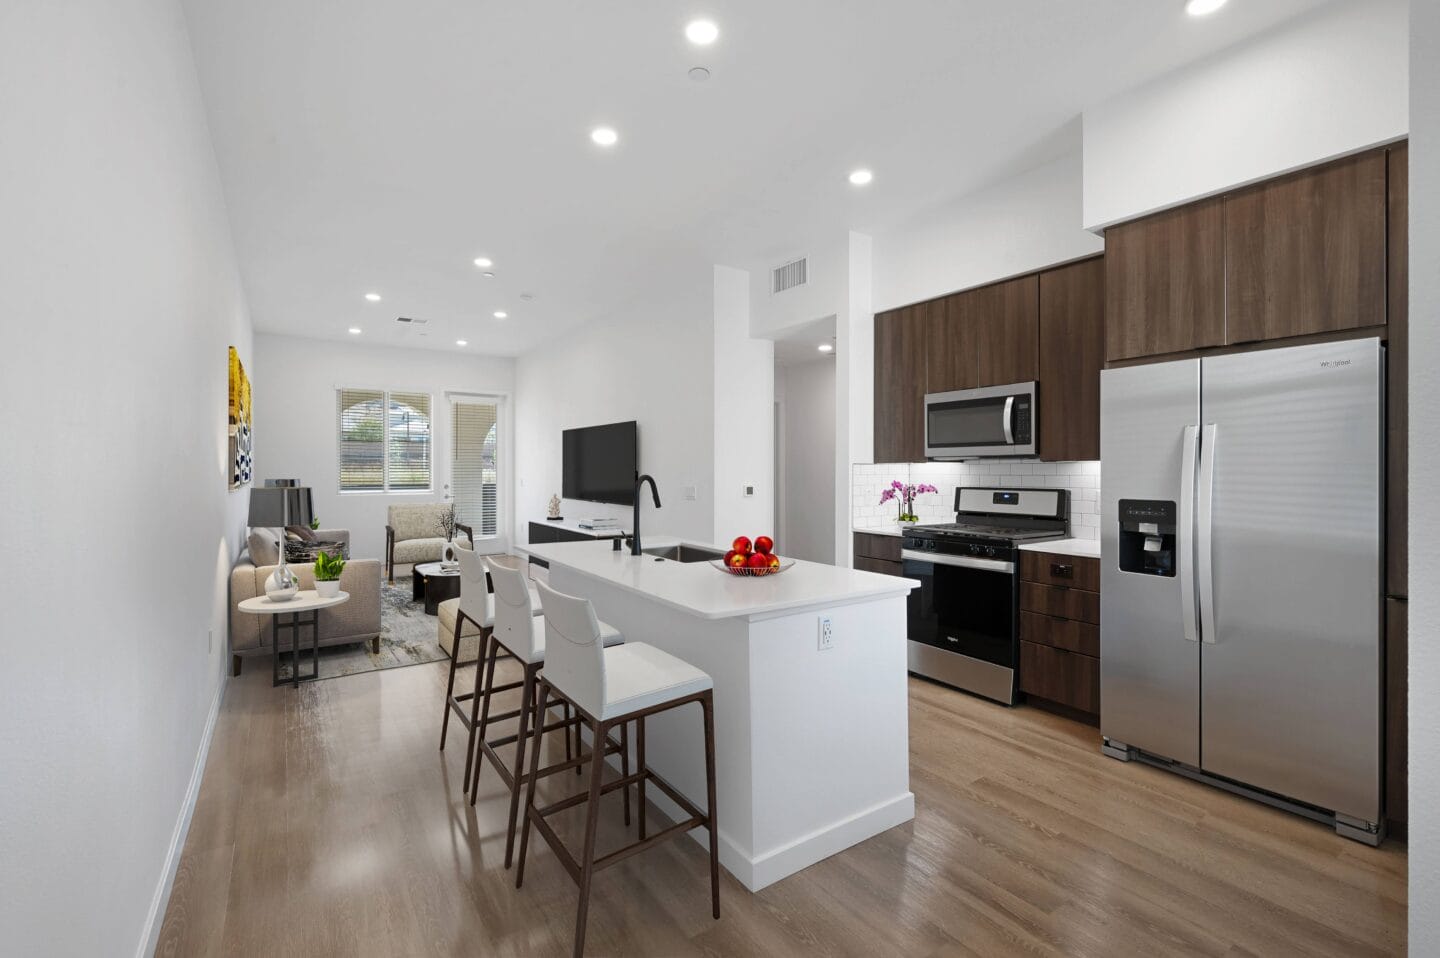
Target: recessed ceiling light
column 355, row 330
column 501, row 314
column 1200, row 8
column 483, row 262
column 861, row 177
column 527, row 297
column 488, row 275
column 702, row 33
column 699, row 74
column 825, row 347
column 461, row 342
column 373, row 297
column 604, row 136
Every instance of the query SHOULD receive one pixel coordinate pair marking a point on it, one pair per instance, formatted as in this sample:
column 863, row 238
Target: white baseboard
column 156, row 918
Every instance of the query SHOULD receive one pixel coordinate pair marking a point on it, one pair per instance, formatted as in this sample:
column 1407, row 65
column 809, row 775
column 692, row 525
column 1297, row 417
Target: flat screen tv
column 599, row 464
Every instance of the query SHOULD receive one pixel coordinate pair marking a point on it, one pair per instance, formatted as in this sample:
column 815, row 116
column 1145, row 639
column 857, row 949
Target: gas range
column 964, row 619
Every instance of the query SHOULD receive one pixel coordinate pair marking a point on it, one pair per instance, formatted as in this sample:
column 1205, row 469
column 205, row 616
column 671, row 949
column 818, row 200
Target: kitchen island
column 812, row 743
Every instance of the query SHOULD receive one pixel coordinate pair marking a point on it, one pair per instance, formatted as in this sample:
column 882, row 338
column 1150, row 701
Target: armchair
column 413, row 534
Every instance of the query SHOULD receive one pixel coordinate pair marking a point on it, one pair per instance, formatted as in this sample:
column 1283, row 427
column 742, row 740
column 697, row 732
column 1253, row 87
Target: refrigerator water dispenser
column 1147, row 536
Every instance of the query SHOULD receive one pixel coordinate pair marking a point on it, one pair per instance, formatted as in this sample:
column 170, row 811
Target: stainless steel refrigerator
column 1241, row 594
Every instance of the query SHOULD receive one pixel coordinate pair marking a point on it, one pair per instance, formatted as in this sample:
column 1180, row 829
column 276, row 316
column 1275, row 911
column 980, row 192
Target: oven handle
column 965, row 562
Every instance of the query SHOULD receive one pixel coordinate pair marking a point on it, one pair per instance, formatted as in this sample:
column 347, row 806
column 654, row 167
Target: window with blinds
column 384, row 440
column 474, row 475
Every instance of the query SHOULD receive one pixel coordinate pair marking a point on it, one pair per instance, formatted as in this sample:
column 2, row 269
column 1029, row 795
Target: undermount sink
column 684, row 553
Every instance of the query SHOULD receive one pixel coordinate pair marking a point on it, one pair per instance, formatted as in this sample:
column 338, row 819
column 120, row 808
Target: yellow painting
column 240, row 439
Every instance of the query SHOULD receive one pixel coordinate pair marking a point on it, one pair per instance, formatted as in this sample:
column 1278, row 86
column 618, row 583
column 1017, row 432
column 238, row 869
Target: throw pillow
column 264, row 547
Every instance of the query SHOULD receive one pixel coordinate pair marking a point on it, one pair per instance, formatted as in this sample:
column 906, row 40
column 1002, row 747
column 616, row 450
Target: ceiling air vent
column 788, row 276
column 411, row 322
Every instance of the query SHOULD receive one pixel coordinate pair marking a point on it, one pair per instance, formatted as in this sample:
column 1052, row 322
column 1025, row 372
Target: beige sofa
column 412, row 534
column 357, row 620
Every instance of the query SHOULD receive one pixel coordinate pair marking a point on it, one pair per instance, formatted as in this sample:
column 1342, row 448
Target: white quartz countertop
column 1066, row 547
column 573, row 525
column 893, row 529
column 702, row 590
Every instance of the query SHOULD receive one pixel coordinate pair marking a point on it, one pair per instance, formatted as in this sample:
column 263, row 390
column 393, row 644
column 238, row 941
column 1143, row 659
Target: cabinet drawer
column 1067, row 634
column 1060, row 676
column 877, row 547
column 1062, row 603
column 882, row 566
column 1051, row 568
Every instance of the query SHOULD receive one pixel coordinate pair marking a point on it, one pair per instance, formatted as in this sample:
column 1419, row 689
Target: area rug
column 407, row 637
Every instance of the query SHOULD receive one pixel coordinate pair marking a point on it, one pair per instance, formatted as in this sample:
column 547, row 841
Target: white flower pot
column 328, row 590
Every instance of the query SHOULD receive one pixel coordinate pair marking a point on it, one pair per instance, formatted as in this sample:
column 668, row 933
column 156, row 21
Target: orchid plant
column 904, row 494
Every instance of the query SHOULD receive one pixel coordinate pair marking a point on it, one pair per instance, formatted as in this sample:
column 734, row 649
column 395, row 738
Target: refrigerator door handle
column 1184, row 532
column 1204, row 546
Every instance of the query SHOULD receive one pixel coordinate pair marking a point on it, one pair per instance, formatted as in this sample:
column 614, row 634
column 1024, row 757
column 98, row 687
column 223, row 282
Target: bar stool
column 610, row 687
column 520, row 631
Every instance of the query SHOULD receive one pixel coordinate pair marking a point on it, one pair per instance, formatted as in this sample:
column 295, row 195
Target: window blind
column 384, row 440
column 474, row 476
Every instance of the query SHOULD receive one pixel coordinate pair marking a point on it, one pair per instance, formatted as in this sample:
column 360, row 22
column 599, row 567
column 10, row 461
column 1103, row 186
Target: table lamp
column 281, row 506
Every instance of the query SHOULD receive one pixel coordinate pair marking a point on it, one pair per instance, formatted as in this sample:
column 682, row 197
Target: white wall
column 827, row 266
column 854, row 383
column 744, row 389
column 1331, row 83
column 295, row 421
column 807, row 449
column 651, row 363
column 1424, row 462
column 1025, row 223
column 120, row 298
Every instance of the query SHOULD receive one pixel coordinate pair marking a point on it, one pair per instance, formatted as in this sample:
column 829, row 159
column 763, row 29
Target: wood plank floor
column 329, row 824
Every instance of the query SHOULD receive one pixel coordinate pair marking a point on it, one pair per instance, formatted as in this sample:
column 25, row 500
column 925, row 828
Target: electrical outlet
column 827, row 634
column 691, row 493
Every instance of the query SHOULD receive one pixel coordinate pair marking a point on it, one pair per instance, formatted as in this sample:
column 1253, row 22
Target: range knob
column 989, row 550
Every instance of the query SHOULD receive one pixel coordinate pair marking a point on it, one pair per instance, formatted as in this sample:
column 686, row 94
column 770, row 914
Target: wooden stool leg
column 569, row 745
column 579, row 747
column 625, row 767
column 527, row 693
column 640, row 765
column 535, row 750
column 601, row 732
column 707, row 705
column 477, row 724
column 450, row 684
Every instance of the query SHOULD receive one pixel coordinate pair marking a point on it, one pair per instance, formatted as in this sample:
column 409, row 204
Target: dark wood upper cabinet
column 1306, row 253
column 1165, row 282
column 901, row 340
column 1006, row 322
column 1397, row 419
column 952, row 350
column 1072, row 353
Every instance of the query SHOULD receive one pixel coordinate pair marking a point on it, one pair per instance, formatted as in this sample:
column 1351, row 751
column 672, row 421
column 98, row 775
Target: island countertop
column 700, row 589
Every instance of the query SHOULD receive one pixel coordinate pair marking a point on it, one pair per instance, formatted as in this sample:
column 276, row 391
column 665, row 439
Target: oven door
column 962, row 622
column 994, row 421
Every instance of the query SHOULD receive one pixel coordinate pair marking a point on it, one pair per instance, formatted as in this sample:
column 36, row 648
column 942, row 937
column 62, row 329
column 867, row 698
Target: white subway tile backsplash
column 1082, row 479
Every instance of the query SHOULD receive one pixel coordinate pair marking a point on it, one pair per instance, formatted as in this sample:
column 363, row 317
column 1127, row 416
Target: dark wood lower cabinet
column 1397, row 751
column 882, row 566
column 1067, row 634
column 1063, row 603
column 1069, row 678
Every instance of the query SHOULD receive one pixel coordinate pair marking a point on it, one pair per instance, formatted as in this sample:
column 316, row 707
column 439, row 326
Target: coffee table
column 307, row 600
column 434, row 583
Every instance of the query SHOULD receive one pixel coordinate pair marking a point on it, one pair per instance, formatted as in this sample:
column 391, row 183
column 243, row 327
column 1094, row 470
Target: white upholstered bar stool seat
column 639, row 676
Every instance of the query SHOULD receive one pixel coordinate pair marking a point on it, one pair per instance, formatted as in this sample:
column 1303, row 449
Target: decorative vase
column 327, row 590
column 282, row 585
column 448, row 558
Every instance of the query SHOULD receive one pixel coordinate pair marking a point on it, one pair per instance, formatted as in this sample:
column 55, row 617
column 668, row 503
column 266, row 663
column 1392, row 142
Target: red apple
column 730, row 555
column 764, row 544
column 741, row 545
column 735, row 559
column 758, row 561
column 774, row 562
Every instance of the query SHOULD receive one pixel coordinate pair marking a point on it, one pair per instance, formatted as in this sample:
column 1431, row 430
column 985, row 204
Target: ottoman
column 469, row 635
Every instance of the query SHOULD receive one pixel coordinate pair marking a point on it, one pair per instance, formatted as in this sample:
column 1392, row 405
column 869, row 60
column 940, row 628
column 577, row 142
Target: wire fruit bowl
column 749, row 571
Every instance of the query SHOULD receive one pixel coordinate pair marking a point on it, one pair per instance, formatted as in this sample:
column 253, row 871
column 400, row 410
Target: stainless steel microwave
column 970, row 423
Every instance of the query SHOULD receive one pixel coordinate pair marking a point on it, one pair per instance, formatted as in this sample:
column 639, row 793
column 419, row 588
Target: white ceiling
column 799, row 345
column 374, row 145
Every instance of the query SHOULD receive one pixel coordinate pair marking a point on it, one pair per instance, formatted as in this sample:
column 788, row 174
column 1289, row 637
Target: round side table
column 303, row 602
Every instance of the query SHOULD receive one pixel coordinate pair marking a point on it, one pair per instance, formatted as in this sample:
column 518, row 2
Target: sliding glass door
column 475, row 463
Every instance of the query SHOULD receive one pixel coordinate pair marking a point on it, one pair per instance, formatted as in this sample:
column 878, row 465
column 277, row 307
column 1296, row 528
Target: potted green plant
column 327, row 574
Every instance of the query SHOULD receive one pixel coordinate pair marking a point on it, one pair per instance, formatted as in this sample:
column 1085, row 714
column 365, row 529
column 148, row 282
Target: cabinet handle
column 1061, row 571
